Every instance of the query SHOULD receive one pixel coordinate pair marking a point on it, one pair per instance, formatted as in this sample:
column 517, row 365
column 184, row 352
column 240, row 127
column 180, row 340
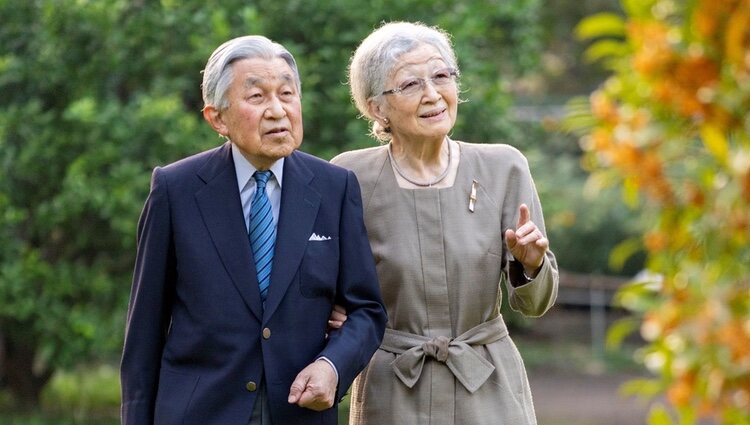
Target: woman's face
column 423, row 98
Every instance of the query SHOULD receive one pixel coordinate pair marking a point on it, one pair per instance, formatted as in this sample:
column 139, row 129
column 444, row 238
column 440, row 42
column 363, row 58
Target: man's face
column 264, row 116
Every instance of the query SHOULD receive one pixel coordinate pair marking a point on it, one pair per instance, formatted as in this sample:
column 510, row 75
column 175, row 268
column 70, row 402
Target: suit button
column 266, row 333
column 251, row 386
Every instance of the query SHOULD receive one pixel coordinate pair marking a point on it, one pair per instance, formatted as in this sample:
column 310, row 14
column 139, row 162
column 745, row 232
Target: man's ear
column 213, row 116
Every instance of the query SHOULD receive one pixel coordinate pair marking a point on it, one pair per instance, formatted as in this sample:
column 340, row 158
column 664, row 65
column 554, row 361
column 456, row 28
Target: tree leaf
column 605, row 49
column 715, row 141
column 600, row 25
column 620, row 330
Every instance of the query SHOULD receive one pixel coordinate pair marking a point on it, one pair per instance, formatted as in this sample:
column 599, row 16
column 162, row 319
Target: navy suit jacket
column 198, row 342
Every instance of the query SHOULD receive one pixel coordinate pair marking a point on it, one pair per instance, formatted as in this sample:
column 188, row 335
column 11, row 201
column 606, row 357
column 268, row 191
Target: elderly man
column 243, row 250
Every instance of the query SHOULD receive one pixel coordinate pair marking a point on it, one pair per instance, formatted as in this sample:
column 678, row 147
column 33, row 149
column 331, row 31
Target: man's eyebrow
column 287, row 77
column 255, row 81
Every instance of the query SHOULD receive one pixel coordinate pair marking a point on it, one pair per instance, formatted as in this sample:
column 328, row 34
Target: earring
column 386, row 121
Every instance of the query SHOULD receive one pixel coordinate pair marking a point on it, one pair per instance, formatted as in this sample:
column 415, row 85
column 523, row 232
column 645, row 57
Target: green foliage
column 97, row 93
column 495, row 42
column 91, row 393
column 670, row 129
column 582, row 226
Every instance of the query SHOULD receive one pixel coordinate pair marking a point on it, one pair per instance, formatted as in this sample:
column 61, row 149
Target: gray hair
column 217, row 77
column 374, row 60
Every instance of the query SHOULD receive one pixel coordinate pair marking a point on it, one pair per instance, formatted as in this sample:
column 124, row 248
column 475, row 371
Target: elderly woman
column 447, row 222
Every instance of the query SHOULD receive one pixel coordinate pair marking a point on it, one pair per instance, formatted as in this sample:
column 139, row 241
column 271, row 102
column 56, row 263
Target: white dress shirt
column 246, row 185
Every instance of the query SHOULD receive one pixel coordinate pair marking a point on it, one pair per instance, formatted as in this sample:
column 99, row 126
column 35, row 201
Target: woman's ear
column 213, row 116
column 376, row 111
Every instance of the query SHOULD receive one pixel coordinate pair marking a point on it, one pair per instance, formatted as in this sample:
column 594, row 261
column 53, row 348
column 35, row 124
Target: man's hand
column 526, row 242
column 314, row 387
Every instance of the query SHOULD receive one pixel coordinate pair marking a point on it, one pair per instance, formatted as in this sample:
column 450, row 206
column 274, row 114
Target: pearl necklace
column 437, row 179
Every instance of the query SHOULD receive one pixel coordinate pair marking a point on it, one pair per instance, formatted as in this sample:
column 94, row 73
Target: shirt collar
column 244, row 169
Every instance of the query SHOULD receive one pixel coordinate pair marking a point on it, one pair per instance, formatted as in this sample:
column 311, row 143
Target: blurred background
column 632, row 113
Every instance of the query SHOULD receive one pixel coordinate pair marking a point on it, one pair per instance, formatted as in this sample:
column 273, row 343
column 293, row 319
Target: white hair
column 217, row 77
column 375, row 58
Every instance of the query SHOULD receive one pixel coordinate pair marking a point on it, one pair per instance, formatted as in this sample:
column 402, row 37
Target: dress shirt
column 246, row 185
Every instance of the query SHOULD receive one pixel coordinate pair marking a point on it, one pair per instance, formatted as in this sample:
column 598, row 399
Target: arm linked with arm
column 351, row 347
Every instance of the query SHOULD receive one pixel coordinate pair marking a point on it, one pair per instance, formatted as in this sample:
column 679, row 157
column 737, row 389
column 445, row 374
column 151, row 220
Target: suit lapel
column 219, row 204
column 299, row 210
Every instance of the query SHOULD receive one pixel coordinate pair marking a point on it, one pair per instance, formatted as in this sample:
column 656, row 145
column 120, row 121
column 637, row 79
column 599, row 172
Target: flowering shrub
column 671, row 128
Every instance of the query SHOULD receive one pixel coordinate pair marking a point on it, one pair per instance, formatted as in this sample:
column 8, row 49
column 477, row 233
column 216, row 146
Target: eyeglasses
column 413, row 86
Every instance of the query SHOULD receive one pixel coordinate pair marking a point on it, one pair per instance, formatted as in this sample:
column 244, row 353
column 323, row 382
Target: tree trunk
column 17, row 371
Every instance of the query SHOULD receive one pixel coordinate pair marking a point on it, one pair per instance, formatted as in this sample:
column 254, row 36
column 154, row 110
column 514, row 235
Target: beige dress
column 447, row 357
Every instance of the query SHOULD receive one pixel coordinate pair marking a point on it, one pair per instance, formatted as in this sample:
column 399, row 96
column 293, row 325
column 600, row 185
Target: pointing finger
column 524, row 215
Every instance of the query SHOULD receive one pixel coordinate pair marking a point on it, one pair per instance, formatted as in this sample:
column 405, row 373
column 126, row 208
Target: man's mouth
column 277, row 130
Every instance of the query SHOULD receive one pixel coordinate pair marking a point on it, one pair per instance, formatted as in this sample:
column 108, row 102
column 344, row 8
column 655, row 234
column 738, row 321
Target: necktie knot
column 261, row 178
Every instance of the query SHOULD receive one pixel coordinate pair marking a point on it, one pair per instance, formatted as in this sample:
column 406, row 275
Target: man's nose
column 275, row 109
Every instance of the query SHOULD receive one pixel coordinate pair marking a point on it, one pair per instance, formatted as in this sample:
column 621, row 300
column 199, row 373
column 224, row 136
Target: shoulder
column 360, row 158
column 193, row 163
column 495, row 152
column 367, row 164
column 495, row 159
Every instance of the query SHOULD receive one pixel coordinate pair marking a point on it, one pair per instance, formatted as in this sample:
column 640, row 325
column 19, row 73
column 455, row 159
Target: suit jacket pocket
column 175, row 392
column 320, row 268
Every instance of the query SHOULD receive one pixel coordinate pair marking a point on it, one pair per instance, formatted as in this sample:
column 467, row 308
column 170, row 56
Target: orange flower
column 653, row 52
column 652, row 166
column 602, row 107
column 639, row 120
column 694, row 195
column 690, row 76
column 601, row 140
column 655, row 241
column 737, row 39
column 739, row 224
column 681, row 391
column 626, row 156
column 735, row 336
column 710, row 14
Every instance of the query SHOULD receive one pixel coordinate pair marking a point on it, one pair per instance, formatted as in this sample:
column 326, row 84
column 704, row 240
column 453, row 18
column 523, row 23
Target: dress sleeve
column 531, row 298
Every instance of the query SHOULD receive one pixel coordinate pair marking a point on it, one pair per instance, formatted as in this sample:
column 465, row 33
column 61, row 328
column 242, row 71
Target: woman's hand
column 337, row 319
column 527, row 243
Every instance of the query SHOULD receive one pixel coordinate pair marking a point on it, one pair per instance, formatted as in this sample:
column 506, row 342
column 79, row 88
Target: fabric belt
column 469, row 367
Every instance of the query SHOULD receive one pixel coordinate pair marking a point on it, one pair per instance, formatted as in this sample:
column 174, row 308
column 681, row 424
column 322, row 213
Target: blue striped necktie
column 262, row 232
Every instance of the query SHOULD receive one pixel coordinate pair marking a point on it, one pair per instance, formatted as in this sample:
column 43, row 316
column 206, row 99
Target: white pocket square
column 317, row 237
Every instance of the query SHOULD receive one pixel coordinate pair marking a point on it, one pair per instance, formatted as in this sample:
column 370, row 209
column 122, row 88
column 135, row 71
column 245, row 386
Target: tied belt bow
column 469, row 367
